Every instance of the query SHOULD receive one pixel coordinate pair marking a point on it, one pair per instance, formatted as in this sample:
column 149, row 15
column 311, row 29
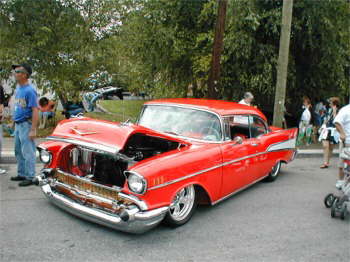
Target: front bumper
column 138, row 221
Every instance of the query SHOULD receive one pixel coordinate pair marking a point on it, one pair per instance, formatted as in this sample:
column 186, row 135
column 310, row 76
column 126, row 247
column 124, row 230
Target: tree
column 214, row 73
column 282, row 67
column 65, row 41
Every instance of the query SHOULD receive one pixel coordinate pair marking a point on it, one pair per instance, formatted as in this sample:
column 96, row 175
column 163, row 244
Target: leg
column 331, row 147
column 341, row 180
column 2, row 171
column 309, row 135
column 18, row 153
column 325, row 144
column 28, row 151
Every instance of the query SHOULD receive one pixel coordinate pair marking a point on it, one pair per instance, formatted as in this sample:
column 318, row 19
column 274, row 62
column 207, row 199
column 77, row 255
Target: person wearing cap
column 25, row 117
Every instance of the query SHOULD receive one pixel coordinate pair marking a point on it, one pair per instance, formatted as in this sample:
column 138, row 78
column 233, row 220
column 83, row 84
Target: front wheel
column 182, row 207
column 328, row 200
column 274, row 172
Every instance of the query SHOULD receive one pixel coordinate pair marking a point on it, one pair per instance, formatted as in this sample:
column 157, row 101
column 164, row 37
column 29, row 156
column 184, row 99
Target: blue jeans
column 24, row 150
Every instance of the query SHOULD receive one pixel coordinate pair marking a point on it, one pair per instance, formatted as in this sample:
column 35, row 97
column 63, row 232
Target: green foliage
column 164, row 47
column 319, row 52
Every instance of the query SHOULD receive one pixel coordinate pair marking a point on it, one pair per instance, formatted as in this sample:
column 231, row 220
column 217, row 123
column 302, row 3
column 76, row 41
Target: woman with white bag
column 328, row 133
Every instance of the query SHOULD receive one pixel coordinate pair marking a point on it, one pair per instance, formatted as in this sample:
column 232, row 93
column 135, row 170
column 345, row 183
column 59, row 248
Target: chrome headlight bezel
column 136, row 183
column 45, row 156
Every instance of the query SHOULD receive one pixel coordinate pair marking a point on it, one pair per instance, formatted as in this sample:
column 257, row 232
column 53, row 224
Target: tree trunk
column 282, row 67
column 214, row 74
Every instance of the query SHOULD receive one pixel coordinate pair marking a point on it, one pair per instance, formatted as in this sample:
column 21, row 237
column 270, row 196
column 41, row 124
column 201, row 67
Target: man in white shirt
column 342, row 123
column 247, row 99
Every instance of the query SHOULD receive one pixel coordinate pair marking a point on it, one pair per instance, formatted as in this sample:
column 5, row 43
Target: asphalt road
column 280, row 221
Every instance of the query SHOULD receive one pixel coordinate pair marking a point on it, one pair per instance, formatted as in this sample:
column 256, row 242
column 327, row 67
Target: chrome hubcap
column 276, row 169
column 182, row 203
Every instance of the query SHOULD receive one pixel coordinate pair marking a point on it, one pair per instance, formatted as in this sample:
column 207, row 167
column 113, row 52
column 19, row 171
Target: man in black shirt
column 2, row 101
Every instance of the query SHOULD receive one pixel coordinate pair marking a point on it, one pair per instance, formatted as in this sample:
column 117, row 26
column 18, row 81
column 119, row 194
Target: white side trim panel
column 288, row 144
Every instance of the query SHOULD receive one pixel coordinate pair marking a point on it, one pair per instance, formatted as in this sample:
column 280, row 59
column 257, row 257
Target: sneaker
column 339, row 184
column 26, row 183
column 18, row 178
column 2, row 171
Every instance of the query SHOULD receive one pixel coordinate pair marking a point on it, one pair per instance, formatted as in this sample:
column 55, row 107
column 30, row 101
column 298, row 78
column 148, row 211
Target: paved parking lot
column 281, row 221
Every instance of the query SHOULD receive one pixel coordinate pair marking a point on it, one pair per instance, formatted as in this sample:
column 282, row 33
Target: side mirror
column 237, row 140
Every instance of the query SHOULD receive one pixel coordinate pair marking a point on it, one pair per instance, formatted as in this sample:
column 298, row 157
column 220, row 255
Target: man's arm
column 35, row 118
column 341, row 131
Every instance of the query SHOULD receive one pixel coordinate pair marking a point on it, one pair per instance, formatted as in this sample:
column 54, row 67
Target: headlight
column 137, row 183
column 45, row 156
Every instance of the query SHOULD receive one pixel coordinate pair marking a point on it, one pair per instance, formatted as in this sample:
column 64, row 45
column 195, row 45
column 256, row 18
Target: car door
column 259, row 140
column 238, row 158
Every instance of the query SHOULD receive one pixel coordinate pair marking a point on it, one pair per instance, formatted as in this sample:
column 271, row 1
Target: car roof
column 221, row 107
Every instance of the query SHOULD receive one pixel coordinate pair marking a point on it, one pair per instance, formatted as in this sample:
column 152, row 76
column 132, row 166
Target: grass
column 119, row 111
column 125, row 109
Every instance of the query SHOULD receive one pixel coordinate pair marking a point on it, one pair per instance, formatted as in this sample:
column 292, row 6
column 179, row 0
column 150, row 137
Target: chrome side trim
column 93, row 146
column 215, row 167
column 205, row 170
column 237, row 191
column 185, row 177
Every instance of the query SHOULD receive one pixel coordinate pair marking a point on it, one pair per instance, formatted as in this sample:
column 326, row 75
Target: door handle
column 255, row 144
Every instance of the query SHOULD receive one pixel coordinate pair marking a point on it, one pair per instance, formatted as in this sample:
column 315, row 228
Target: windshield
column 180, row 121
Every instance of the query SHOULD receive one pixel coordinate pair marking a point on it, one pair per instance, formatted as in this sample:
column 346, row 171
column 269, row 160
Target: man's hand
column 32, row 134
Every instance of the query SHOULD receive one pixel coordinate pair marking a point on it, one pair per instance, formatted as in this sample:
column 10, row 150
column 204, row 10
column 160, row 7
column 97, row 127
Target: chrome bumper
column 138, row 222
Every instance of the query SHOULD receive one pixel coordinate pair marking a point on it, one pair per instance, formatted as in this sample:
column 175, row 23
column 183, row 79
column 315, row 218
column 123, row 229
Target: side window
column 237, row 125
column 257, row 126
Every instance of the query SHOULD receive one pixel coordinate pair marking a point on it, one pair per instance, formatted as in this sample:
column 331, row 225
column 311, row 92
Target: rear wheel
column 343, row 211
column 182, row 207
column 334, row 207
column 274, row 172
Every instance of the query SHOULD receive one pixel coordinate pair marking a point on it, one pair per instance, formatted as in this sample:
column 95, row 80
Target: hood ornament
column 82, row 133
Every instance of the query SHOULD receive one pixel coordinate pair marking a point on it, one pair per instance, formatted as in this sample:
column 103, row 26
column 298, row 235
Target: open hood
column 101, row 135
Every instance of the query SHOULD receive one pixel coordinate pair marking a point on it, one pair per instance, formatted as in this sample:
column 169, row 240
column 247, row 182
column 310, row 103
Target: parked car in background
column 180, row 153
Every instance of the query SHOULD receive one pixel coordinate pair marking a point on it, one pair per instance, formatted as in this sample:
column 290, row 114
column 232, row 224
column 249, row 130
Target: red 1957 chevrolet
column 180, row 153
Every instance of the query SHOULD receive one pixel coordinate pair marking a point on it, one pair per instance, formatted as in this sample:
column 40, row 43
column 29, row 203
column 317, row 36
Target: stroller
column 338, row 204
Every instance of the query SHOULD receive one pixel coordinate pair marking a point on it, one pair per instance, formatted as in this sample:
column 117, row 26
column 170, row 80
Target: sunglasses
column 20, row 71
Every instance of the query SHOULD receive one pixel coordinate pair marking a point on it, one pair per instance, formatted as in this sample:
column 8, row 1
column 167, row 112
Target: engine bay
column 108, row 169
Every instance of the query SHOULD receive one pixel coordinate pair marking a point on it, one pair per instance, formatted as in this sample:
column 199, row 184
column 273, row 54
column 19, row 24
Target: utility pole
column 214, row 74
column 282, row 66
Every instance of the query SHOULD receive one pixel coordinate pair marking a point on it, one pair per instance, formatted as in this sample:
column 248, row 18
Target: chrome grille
column 88, row 186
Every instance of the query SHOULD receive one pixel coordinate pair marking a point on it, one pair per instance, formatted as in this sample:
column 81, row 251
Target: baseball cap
column 25, row 66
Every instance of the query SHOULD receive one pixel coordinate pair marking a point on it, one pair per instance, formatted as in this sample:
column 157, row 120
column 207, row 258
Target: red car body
column 131, row 177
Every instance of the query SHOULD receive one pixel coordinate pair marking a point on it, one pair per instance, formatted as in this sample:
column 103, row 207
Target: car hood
column 101, row 135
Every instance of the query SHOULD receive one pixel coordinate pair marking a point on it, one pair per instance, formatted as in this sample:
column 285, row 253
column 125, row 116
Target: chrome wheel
column 274, row 172
column 276, row 169
column 182, row 204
